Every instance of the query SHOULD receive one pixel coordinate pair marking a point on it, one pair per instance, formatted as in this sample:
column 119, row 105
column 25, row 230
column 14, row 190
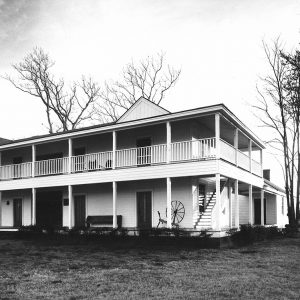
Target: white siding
column 7, row 210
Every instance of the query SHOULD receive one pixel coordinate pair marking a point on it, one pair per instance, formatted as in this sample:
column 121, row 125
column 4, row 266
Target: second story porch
column 200, row 138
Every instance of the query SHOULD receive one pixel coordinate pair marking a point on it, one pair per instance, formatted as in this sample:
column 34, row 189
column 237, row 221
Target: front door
column 49, row 209
column 257, row 211
column 144, row 209
column 143, row 151
column 79, row 210
column 17, row 203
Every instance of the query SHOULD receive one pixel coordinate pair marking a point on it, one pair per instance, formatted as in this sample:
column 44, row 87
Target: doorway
column 144, row 209
column 79, row 210
column 17, row 211
column 143, row 151
column 257, row 212
column 49, row 209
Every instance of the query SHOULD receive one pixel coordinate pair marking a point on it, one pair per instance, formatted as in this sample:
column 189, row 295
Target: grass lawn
column 88, row 270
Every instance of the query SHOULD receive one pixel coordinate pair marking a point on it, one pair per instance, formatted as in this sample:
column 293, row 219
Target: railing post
column 250, row 204
column 114, row 147
column 70, row 196
column 250, row 155
column 114, row 186
column 169, row 138
column 236, row 145
column 33, row 152
column 217, row 135
column 218, row 203
column 70, row 151
column 237, row 204
column 33, row 219
column 262, row 208
column 169, row 201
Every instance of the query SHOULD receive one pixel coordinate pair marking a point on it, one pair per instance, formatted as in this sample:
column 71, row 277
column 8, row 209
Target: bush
column 249, row 234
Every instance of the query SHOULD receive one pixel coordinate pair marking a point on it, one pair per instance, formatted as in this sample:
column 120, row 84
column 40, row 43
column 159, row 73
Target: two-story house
column 203, row 165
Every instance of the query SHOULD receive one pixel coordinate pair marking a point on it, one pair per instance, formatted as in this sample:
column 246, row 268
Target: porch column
column 230, row 202
column 0, row 208
column 261, row 162
column 33, row 197
column 114, row 186
column 236, row 144
column 237, row 204
column 33, row 151
column 168, row 127
column 262, row 208
column 218, row 203
column 195, row 197
column 70, row 196
column 217, row 135
column 250, row 155
column 250, row 204
column 114, row 147
column 70, row 146
column 169, row 200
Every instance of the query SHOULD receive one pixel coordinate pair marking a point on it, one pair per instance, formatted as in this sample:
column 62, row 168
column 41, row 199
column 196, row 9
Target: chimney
column 266, row 174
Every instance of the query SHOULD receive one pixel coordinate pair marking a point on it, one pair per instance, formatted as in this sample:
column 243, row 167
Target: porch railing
column 91, row 162
column 201, row 149
column 16, row 171
column 51, row 166
column 193, row 150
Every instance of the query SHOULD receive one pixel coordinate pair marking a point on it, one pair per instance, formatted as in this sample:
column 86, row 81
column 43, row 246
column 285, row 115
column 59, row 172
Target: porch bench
column 103, row 220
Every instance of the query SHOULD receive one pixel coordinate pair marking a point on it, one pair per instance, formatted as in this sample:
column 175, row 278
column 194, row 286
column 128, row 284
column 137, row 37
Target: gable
column 142, row 109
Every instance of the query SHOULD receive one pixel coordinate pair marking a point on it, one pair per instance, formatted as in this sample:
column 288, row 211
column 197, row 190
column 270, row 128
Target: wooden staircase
column 204, row 220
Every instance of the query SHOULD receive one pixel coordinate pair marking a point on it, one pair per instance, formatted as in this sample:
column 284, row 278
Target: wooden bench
column 103, row 220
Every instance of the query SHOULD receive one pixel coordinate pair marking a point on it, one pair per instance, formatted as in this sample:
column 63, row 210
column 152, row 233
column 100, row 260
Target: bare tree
column 66, row 107
column 150, row 78
column 278, row 112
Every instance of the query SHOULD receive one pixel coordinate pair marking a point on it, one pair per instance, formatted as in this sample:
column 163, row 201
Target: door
column 143, row 151
column 257, row 212
column 79, row 210
column 49, row 209
column 17, row 167
column 17, row 203
column 144, row 209
column 80, row 164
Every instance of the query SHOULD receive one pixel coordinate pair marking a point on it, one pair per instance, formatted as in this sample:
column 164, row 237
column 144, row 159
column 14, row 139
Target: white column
column 230, row 202
column 33, row 151
column 0, row 165
column 250, row 155
column 70, row 151
column 250, row 204
column 114, row 186
column 217, row 135
column 218, row 203
column 261, row 162
column 0, row 208
column 262, row 208
column 236, row 144
column 33, row 219
column 70, row 196
column 237, row 204
column 169, row 200
column 169, row 138
column 114, row 147
column 195, row 199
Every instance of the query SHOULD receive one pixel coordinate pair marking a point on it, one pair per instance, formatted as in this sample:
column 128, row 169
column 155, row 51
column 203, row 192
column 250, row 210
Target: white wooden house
column 206, row 158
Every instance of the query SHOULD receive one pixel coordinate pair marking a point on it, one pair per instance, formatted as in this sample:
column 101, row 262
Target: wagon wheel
column 178, row 212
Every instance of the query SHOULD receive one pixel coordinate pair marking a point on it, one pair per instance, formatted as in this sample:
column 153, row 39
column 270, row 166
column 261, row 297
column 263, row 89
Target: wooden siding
column 142, row 109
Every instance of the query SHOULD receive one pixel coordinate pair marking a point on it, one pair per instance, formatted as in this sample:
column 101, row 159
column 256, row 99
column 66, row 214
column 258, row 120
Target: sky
column 217, row 44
